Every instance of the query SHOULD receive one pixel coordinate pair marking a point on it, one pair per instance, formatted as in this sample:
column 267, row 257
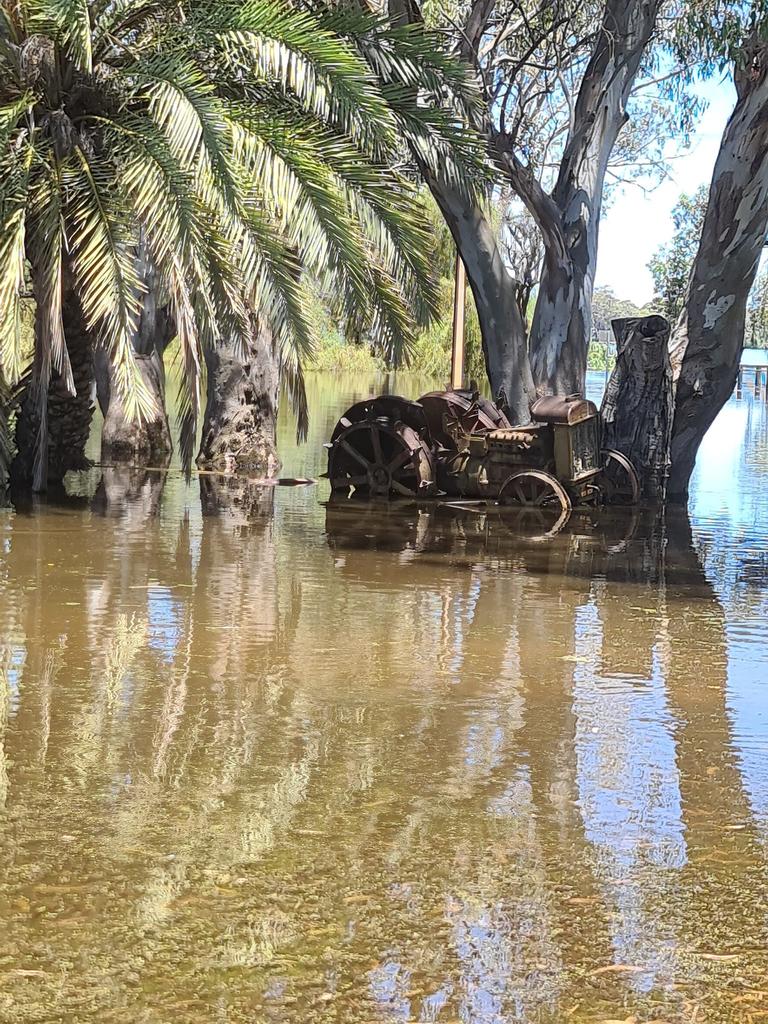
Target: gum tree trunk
column 569, row 218
column 638, row 405
column 707, row 343
column 240, row 424
column 494, row 290
column 69, row 417
column 495, row 293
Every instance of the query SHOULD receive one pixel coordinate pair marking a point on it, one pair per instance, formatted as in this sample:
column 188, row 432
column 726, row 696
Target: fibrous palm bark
column 64, row 418
column 125, row 438
column 240, row 424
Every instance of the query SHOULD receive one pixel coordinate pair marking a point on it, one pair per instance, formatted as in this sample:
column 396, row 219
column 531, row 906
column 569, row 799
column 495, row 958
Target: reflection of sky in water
column 509, row 962
column 629, row 794
column 16, row 658
column 388, row 984
column 463, row 614
column 729, row 516
column 729, row 513
column 164, row 615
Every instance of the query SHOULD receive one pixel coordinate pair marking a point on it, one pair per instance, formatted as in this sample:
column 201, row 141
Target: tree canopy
column 243, row 145
column 670, row 265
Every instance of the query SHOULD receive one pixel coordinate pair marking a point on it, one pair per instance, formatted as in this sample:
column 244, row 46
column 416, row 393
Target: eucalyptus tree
column 708, row 340
column 560, row 81
column 670, row 265
column 214, row 153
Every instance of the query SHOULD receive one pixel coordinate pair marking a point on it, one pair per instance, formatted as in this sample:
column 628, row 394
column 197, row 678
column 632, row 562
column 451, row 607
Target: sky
column 636, row 223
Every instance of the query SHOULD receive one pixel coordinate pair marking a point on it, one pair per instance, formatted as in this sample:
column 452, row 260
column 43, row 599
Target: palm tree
column 217, row 153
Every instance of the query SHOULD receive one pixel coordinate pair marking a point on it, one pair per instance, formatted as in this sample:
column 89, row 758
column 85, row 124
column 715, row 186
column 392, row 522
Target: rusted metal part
column 543, row 504
column 454, row 416
column 461, row 445
column 619, row 483
column 534, row 488
column 577, row 450
column 555, row 409
column 379, row 457
column 393, row 407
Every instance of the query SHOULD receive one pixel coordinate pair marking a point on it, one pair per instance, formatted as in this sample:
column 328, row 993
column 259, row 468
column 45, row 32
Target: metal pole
column 459, row 304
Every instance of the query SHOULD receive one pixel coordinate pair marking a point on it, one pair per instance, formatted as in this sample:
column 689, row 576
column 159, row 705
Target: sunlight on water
column 267, row 759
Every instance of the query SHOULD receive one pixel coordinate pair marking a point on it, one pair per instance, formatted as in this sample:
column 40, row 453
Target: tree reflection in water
column 418, row 768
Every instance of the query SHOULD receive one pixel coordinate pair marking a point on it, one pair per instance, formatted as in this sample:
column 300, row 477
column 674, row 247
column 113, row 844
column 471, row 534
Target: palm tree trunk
column 124, row 439
column 240, row 425
column 68, row 416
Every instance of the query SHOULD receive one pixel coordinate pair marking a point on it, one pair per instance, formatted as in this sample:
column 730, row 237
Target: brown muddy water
column 265, row 761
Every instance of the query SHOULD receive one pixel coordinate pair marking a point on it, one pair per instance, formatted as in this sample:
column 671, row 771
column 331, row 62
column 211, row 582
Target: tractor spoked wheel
column 380, row 457
column 619, row 482
column 541, row 503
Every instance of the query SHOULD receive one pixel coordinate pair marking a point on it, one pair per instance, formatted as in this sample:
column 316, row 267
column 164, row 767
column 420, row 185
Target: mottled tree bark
column 495, row 293
column 707, row 343
column 68, row 416
column 240, row 425
column 569, row 218
column 494, row 290
column 638, row 405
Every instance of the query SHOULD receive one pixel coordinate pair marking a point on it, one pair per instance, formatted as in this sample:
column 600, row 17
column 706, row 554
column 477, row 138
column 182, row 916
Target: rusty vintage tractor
column 459, row 444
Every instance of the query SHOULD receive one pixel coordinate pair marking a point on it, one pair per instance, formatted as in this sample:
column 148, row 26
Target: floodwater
column 267, row 761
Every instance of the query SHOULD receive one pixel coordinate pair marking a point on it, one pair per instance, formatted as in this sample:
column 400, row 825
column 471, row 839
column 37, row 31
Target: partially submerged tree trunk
column 123, row 438
column 495, row 294
column 240, row 425
column 569, row 218
column 707, row 343
column 638, row 405
column 68, row 416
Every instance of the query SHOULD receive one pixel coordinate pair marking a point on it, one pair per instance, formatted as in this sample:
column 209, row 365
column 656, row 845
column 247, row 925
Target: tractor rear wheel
column 381, row 457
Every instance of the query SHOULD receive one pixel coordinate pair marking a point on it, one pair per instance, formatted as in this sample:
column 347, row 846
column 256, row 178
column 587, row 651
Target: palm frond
column 303, row 196
column 105, row 275
column 47, row 234
column 292, row 375
column 272, row 280
column 277, row 43
column 68, row 22
column 48, row 238
column 13, row 223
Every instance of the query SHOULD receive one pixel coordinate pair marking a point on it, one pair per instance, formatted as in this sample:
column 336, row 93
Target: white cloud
column 636, row 223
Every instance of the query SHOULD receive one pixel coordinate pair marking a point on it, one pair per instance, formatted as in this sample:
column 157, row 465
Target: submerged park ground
column 265, row 759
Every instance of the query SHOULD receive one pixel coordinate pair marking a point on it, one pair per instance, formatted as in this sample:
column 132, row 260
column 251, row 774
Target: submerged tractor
column 460, row 445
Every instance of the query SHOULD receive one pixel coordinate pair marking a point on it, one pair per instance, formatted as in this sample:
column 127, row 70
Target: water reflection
column 392, row 765
column 268, row 759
